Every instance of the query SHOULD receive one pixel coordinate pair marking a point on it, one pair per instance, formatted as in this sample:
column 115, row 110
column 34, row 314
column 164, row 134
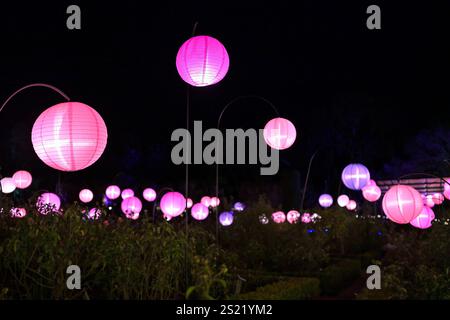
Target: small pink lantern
column 18, row 212
column 113, row 192
column 86, row 195
column 402, row 203
column 355, row 176
column 48, row 202
column 22, row 179
column 438, row 198
column 278, row 217
column 423, row 220
column 293, row 216
column 69, row 136
column 371, row 183
column 306, row 218
column 173, row 204
column 351, row 205
column 8, row 185
column 371, row 192
column 214, row 202
column 279, row 133
column 94, row 214
column 127, row 193
column 149, row 194
column 189, row 203
column 428, row 201
column 199, row 211
column 202, row 61
column 343, row 200
column 206, row 201
column 131, row 205
column 325, row 200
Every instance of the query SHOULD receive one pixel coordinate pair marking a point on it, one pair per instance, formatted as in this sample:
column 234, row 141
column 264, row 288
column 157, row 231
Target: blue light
column 379, row 233
column 311, row 230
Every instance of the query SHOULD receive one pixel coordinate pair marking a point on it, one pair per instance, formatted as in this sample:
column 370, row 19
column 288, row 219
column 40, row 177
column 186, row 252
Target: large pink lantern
column 423, row 220
column 69, row 136
column 214, row 202
column 48, row 202
column 279, row 133
column 343, row 200
column 131, row 205
column 371, row 192
column 202, row 61
column 149, row 194
column 173, row 204
column 22, row 179
column 199, row 211
column 206, row 201
column 438, row 198
column 293, row 216
column 306, row 218
column 189, row 203
column 355, row 176
column 351, row 205
column 8, row 185
column 278, row 217
column 401, row 204
column 325, row 200
column 86, row 195
column 18, row 212
column 127, row 193
column 113, row 192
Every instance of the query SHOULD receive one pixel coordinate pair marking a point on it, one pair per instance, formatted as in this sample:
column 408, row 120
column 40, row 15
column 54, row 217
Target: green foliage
column 339, row 275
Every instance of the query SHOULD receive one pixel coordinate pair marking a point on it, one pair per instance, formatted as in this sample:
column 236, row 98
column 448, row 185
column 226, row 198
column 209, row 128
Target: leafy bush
column 338, row 276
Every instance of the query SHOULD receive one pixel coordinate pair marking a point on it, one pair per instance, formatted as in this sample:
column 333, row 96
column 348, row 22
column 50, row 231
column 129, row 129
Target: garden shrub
column 339, row 275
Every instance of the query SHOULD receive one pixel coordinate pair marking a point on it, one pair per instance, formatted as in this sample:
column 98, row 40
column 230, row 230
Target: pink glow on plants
column 18, row 212
column 278, row 217
column 293, row 216
column 306, row 218
column 48, row 202
column 94, row 214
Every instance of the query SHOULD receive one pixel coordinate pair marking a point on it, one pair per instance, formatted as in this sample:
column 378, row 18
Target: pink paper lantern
column 199, row 211
column 202, row 61
column 189, row 203
column 131, row 205
column 8, row 185
column 423, row 220
column 428, row 201
column 343, row 200
column 48, row 202
column 355, row 176
column 214, row 202
column 22, row 179
column 149, row 194
column 447, row 194
column 293, row 216
column 278, row 217
column 325, row 200
column 371, row 183
column 94, row 214
column 351, row 205
column 18, row 212
column 113, row 192
column 173, row 204
column 371, row 192
column 206, row 201
column 69, row 136
column 401, row 204
column 127, row 193
column 306, row 218
column 438, row 198
column 279, row 133
column 86, row 195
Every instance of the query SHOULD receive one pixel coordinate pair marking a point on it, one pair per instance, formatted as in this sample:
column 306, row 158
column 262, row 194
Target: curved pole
column 156, row 201
column 217, row 155
column 34, row 85
column 422, row 174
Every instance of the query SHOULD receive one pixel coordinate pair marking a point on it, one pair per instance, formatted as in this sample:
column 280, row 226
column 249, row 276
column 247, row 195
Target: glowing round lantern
column 173, row 204
column 371, row 192
column 279, row 133
column 202, row 61
column 48, row 202
column 278, row 217
column 8, row 185
column 371, row 183
column 325, row 200
column 149, row 194
column 355, row 176
column 263, row 219
column 226, row 218
column 133, row 216
column 69, row 136
column 94, row 214
column 428, row 201
column 423, row 220
column 306, row 218
column 438, row 198
column 131, row 205
column 189, row 203
column 447, row 194
column 214, row 202
column 113, row 192
column 239, row 206
column 199, row 211
column 293, row 216
column 343, row 200
column 18, row 212
column 351, row 205
column 86, row 195
column 127, row 193
column 206, row 201
column 22, row 179
column 401, row 204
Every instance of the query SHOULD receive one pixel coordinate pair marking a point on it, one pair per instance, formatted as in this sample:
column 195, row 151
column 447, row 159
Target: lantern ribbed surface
column 355, row 176
column 22, row 179
column 371, row 192
column 202, row 61
column 199, row 211
column 279, row 133
column 69, row 136
column 172, row 204
column 325, row 200
column 401, row 204
column 423, row 220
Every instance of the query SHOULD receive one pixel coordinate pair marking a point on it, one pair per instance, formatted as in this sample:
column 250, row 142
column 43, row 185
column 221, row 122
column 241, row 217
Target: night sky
column 360, row 94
